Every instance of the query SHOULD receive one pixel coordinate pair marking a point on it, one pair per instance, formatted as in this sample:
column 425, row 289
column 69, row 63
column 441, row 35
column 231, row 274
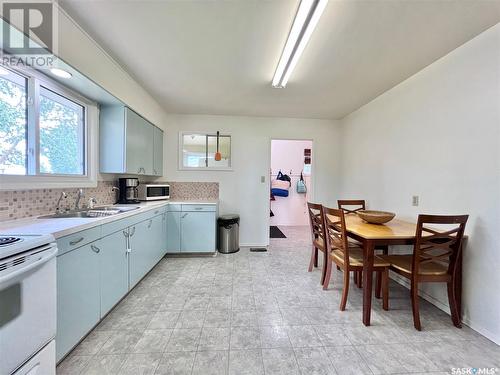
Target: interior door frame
column 310, row 189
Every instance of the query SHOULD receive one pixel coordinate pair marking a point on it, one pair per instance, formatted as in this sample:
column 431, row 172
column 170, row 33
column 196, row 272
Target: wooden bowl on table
column 376, row 217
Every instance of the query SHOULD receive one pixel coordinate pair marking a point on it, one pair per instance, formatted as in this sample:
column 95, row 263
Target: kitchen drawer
column 75, row 240
column 122, row 224
column 174, row 207
column 199, row 207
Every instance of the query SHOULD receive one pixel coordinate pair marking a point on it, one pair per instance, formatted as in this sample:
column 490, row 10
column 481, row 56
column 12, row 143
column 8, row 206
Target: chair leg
column 314, row 252
column 360, row 278
column 414, row 305
column 385, row 289
column 325, row 280
column 345, row 290
column 452, row 299
column 316, row 257
column 378, row 284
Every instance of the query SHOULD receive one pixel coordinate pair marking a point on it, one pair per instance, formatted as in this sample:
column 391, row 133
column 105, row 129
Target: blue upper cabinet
column 157, row 151
column 129, row 143
column 138, row 141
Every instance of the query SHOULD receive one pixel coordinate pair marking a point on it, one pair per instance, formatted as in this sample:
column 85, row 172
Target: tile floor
column 263, row 313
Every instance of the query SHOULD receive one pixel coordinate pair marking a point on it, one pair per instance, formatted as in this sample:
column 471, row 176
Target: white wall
column 288, row 155
column 436, row 135
column 241, row 190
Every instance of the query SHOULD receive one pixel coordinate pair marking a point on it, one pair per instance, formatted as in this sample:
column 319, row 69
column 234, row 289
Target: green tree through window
column 61, row 134
column 12, row 124
column 60, row 128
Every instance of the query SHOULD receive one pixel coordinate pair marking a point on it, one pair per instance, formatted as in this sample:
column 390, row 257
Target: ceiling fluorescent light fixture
column 305, row 22
column 61, row 73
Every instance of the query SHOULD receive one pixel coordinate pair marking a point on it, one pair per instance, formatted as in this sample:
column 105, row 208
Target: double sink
column 95, row 212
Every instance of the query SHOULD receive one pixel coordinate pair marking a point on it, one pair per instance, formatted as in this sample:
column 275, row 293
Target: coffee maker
column 128, row 190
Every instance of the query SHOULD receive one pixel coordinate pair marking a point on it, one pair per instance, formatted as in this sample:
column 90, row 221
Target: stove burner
column 8, row 240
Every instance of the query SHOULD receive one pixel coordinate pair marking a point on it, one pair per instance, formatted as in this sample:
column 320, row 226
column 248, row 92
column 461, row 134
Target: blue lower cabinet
column 78, row 302
column 198, row 232
column 113, row 269
column 174, row 232
column 140, row 242
column 145, row 245
column 157, row 233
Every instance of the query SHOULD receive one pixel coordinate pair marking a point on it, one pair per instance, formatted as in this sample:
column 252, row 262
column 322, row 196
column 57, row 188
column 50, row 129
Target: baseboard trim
column 254, row 245
column 446, row 308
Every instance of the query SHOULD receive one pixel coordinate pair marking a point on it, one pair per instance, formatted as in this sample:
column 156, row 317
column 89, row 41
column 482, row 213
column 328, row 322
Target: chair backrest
column 316, row 221
column 335, row 230
column 351, row 206
column 440, row 242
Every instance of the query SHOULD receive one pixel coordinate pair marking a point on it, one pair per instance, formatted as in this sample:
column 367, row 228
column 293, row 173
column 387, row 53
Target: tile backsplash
column 18, row 204
column 194, row 190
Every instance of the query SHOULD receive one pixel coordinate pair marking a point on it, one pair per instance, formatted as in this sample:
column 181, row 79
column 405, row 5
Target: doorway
column 290, row 185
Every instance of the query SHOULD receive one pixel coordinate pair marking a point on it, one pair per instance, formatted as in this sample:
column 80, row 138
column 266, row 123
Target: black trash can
column 229, row 233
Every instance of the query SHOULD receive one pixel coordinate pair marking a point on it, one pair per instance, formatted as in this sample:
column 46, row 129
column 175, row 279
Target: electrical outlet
column 262, row 179
column 414, row 200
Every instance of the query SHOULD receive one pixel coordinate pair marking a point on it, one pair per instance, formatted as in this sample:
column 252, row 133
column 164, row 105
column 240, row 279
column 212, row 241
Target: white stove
column 11, row 244
column 28, row 300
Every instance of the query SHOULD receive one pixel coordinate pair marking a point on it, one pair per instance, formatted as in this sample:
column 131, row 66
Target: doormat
column 275, row 232
column 258, row 249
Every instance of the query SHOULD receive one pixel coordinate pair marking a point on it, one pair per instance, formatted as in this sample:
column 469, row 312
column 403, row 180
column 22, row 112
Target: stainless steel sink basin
column 92, row 213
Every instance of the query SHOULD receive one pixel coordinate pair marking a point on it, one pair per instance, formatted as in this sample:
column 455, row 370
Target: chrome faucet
column 92, row 202
column 81, row 194
column 114, row 188
column 61, row 197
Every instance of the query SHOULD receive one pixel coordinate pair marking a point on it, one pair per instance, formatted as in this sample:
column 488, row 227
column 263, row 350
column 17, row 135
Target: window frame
column 182, row 167
column 35, row 80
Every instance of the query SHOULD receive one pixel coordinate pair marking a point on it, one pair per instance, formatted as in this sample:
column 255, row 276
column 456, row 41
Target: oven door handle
column 13, row 277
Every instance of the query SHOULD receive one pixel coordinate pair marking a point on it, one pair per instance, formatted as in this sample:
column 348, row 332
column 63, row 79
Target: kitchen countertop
column 66, row 226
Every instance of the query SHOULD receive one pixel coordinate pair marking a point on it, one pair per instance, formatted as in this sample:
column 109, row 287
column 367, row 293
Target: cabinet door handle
column 74, row 242
column 157, row 211
column 198, row 208
column 125, row 233
column 150, row 223
column 133, row 232
column 95, row 249
column 183, row 216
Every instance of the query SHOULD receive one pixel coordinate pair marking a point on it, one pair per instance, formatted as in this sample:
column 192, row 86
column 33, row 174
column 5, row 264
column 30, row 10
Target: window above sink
column 46, row 132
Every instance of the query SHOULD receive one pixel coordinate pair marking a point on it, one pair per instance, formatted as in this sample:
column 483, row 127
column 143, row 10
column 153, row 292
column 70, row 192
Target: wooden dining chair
column 349, row 257
column 316, row 223
column 352, row 206
column 436, row 258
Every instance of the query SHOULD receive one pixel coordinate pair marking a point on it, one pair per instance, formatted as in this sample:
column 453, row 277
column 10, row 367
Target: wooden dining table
column 395, row 232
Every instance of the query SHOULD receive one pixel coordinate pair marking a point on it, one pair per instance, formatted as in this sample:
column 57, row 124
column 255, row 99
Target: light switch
column 262, row 179
column 414, row 200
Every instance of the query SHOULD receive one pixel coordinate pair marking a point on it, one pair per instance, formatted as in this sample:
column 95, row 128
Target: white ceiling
column 218, row 57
